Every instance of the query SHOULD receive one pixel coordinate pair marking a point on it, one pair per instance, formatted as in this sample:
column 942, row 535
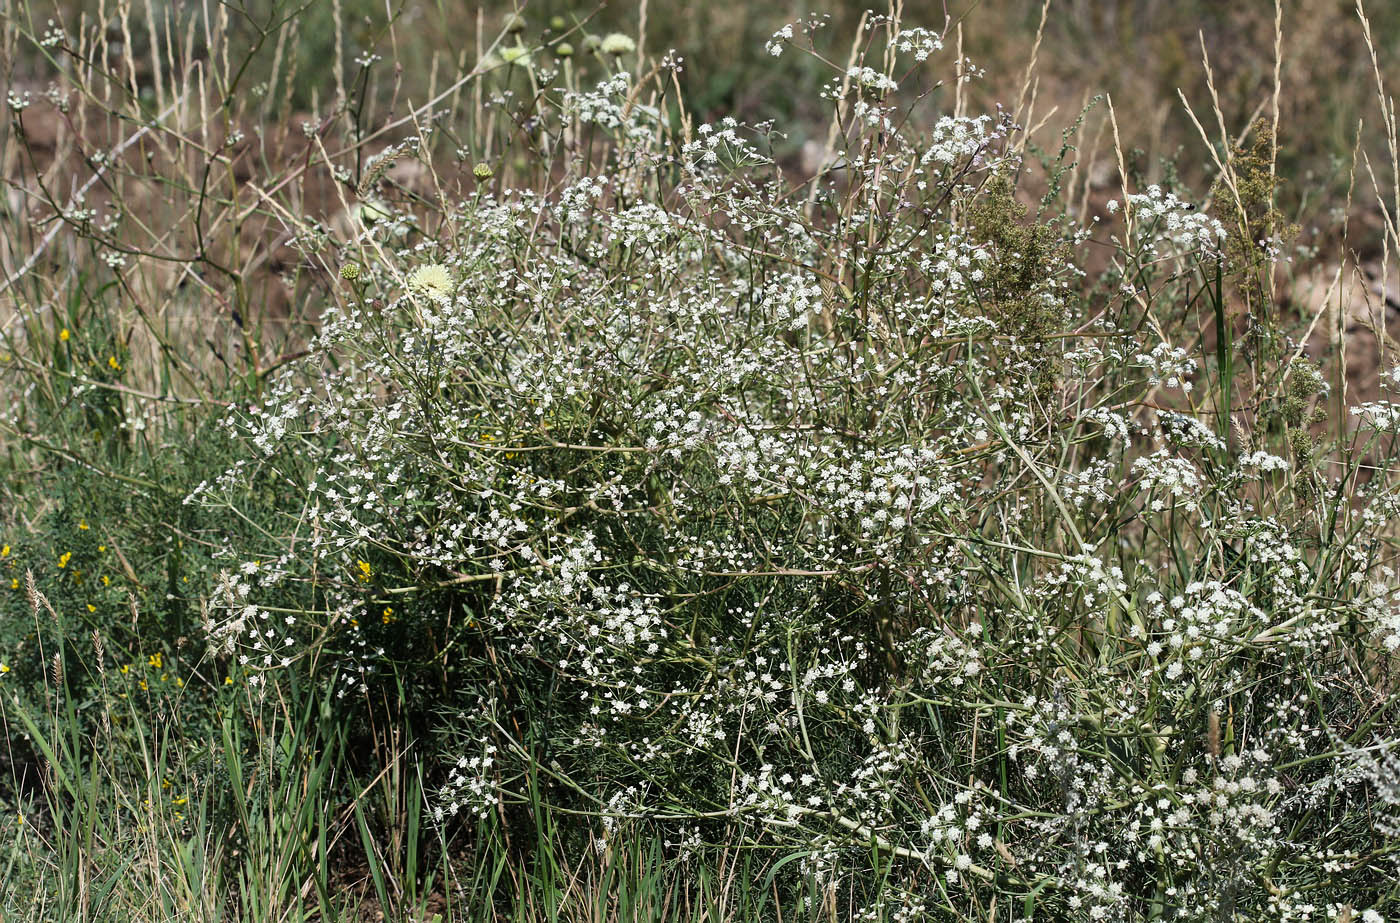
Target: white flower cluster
column 872, row 79
column 1161, row 218
column 610, row 106
column 956, row 139
column 470, row 785
column 1170, row 480
column 774, row 46
column 838, row 515
column 720, row 148
column 1169, row 366
column 921, row 43
column 1383, row 415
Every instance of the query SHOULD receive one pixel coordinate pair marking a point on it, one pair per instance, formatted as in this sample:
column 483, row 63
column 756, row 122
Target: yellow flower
column 101, row 547
column 82, row 525
column 125, row 668
column 63, row 334
column 112, row 361
column 106, row 581
column 14, row 583
column 228, row 680
column 155, row 660
column 364, row 571
column 179, row 800
column 388, row 615
column 5, row 551
column 64, row 558
column 91, row 607
column 4, row 668
column 432, row 280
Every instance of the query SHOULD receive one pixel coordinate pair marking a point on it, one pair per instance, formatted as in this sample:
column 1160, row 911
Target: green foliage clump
column 1030, row 261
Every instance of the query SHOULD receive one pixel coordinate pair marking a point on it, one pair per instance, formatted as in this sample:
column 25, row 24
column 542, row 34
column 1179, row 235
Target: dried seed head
column 31, row 591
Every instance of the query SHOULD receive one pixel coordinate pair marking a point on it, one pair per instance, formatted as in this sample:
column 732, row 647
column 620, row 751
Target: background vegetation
column 210, row 209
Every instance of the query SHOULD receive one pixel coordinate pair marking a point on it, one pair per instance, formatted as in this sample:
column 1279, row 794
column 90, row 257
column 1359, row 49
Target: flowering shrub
column 848, row 514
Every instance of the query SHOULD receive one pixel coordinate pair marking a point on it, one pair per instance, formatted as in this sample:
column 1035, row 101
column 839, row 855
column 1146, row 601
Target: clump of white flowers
column 1169, row 366
column 1161, row 218
column 849, row 517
